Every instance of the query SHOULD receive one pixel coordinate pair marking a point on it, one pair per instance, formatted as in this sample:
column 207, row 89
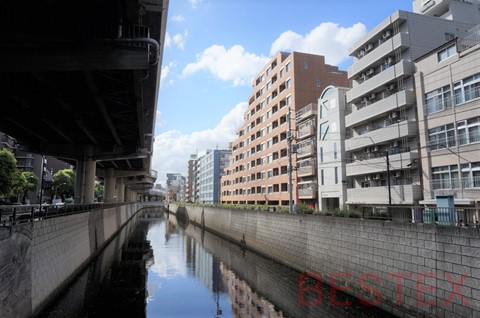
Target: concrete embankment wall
column 411, row 270
column 43, row 257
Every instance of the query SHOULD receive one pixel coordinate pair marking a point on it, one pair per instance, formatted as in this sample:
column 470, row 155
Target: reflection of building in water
column 203, row 265
column 246, row 302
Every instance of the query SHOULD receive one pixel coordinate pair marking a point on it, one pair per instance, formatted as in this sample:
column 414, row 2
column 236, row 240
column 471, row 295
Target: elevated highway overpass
column 79, row 81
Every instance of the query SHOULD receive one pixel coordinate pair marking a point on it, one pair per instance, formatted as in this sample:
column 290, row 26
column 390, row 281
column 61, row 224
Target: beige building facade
column 382, row 143
column 259, row 165
column 448, row 95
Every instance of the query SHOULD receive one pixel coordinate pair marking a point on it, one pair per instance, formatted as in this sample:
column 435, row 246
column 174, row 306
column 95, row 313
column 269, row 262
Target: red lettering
column 334, row 288
column 398, row 287
column 456, row 289
column 302, row 288
column 421, row 287
column 378, row 295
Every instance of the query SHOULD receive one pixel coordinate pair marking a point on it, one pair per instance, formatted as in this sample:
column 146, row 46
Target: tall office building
column 258, row 169
column 448, row 96
column 210, row 169
column 382, row 130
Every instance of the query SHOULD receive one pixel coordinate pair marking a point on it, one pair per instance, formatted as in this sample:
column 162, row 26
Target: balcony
column 306, row 171
column 385, row 49
column 401, row 69
column 306, row 131
column 381, row 107
column 378, row 136
column 401, row 194
column 306, row 112
column 379, row 164
column 306, row 151
column 307, row 190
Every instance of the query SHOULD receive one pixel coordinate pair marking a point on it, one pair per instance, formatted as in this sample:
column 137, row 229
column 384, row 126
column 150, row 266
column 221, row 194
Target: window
column 447, row 52
column 282, row 71
column 318, row 82
column 322, row 177
column 305, row 65
column 288, row 83
column 335, row 151
column 323, row 110
column 470, row 175
column 323, row 131
column 467, row 89
column 468, row 131
column 438, row 100
column 287, row 67
column 445, row 177
column 321, row 154
column 336, row 175
column 441, row 137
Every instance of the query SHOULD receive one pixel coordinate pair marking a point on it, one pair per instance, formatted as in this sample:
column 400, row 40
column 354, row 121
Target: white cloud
column 178, row 18
column 328, row 39
column 195, row 3
column 172, row 149
column 233, row 64
column 166, row 70
column 168, row 40
column 179, row 39
column 159, row 121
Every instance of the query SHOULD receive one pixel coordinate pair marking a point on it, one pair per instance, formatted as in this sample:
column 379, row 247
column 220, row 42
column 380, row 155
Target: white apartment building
column 332, row 178
column 448, row 97
column 383, row 126
column 210, row 169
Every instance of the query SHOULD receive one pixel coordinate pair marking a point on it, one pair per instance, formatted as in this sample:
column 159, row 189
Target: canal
column 156, row 267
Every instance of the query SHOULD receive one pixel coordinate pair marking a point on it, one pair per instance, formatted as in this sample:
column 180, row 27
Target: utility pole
column 290, row 166
column 388, row 180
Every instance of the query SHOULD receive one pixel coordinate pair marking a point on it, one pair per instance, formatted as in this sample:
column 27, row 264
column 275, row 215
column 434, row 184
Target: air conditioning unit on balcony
column 364, row 99
column 389, row 60
column 393, row 115
column 397, row 174
column 372, row 96
column 368, row 177
column 375, row 148
column 370, row 71
column 387, row 34
column 360, row 53
column 395, row 144
column 391, row 87
column 376, row 176
column 369, row 47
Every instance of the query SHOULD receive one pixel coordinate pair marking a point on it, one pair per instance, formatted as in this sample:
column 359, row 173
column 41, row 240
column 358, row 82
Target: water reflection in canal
column 191, row 273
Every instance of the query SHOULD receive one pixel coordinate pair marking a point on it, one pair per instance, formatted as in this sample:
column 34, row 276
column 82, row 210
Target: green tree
column 31, row 185
column 8, row 166
column 99, row 189
column 19, row 184
column 64, row 183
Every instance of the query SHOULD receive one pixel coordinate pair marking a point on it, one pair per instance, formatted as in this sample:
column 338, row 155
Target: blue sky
column 213, row 49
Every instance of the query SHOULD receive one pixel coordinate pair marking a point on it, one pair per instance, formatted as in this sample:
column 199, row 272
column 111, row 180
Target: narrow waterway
column 158, row 268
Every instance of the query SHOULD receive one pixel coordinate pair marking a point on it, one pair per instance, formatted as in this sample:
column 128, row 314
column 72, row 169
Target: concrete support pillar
column 120, row 190
column 85, row 181
column 128, row 195
column 109, row 186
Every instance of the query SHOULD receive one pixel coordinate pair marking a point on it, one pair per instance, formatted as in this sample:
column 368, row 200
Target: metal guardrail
column 467, row 217
column 11, row 215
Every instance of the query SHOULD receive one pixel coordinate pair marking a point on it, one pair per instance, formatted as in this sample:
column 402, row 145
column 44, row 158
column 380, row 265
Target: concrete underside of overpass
column 79, row 79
